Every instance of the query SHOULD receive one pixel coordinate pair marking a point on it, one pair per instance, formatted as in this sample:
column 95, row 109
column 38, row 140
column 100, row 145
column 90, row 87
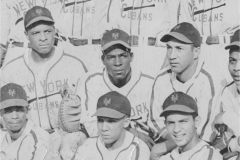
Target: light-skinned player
column 182, row 120
column 114, row 141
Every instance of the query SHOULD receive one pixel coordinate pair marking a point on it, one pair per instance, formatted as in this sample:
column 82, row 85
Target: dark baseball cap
column 113, row 105
column 36, row 14
column 115, row 36
column 184, row 32
column 179, row 102
column 13, row 95
column 235, row 41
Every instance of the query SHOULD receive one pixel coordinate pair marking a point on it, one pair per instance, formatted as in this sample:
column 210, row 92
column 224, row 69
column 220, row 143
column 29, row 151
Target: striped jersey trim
column 152, row 99
column 211, row 100
column 85, row 68
column 227, row 86
column 35, row 143
column 86, row 90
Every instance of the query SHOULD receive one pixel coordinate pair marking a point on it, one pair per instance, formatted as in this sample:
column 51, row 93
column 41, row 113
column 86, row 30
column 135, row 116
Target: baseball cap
column 13, row 95
column 113, row 105
column 235, row 41
column 35, row 14
column 115, row 36
column 179, row 102
column 184, row 32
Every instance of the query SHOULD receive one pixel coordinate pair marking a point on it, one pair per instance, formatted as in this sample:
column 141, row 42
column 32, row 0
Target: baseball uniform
column 147, row 22
column 201, row 151
column 216, row 20
column 137, row 90
column 131, row 149
column 33, row 144
column 200, row 86
column 42, row 82
column 230, row 104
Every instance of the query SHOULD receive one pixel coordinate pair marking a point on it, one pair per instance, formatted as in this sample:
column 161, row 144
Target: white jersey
column 137, row 90
column 201, row 86
column 42, row 82
column 73, row 16
column 131, row 149
column 199, row 152
column 33, row 144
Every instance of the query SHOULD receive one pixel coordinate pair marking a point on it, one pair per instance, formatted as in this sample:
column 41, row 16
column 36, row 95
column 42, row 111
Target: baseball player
column 23, row 139
column 230, row 98
column 187, row 74
column 114, row 141
column 146, row 22
column 216, row 20
column 182, row 120
column 43, row 70
column 118, row 75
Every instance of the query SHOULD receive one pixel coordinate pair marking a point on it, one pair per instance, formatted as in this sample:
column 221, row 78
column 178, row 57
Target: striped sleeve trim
column 85, row 68
column 12, row 61
column 227, row 86
column 86, row 90
column 152, row 99
column 211, row 100
column 137, row 150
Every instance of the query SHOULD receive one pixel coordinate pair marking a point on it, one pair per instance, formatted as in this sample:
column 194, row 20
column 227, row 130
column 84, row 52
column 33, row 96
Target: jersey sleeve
column 144, row 152
column 155, row 107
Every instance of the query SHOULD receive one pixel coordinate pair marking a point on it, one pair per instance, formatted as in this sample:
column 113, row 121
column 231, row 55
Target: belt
column 218, row 39
column 81, row 42
column 135, row 40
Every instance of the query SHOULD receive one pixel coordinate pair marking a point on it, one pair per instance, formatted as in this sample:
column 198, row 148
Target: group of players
column 55, row 107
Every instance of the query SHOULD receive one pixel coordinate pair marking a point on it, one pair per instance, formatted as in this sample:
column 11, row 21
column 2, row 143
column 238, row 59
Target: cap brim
column 236, row 43
column 13, row 102
column 108, row 112
column 176, row 108
column 176, row 35
column 109, row 44
column 40, row 18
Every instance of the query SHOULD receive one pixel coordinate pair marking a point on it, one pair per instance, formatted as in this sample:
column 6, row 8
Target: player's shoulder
column 164, row 73
column 229, row 88
column 94, row 75
column 14, row 55
column 40, row 133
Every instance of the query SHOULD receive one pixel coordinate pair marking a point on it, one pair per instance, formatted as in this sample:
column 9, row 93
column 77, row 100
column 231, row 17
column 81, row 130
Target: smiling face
column 181, row 57
column 118, row 63
column 234, row 66
column 15, row 118
column 112, row 130
column 182, row 129
column 41, row 38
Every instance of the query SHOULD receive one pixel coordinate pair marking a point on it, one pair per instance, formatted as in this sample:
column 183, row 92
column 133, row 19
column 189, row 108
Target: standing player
column 230, row 99
column 118, row 75
column 182, row 120
column 186, row 74
column 114, row 141
column 216, row 20
column 23, row 139
column 43, row 69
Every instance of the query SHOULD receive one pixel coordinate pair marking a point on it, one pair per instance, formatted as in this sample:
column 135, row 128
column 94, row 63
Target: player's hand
column 143, row 137
column 157, row 151
column 217, row 120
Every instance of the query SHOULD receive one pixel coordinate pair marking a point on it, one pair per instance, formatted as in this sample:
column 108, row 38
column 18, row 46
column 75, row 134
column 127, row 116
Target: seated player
column 182, row 120
column 113, row 141
column 23, row 139
column 230, row 99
